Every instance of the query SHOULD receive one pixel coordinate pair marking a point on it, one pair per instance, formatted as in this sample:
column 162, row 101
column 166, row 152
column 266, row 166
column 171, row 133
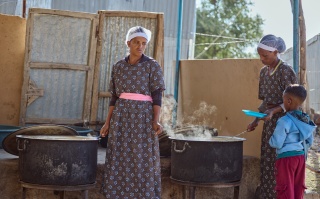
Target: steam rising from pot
column 199, row 124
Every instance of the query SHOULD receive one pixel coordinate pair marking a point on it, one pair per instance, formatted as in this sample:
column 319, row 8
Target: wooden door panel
column 59, row 67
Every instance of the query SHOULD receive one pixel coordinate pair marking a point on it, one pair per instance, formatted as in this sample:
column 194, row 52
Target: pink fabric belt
column 135, row 96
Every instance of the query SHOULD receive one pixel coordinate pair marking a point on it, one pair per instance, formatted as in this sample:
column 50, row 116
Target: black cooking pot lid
column 9, row 143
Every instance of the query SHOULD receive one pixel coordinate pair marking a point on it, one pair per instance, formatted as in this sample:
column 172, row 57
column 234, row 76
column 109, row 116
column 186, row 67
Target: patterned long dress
column 271, row 87
column 132, row 167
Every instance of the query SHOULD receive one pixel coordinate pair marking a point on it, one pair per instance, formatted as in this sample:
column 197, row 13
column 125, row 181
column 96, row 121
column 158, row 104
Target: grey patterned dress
column 132, row 167
column 271, row 88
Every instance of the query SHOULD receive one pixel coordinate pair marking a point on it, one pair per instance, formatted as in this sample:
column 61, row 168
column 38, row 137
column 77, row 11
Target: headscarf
column 272, row 43
column 138, row 31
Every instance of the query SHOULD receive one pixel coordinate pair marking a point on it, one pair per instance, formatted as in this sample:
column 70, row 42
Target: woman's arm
column 105, row 128
column 155, row 121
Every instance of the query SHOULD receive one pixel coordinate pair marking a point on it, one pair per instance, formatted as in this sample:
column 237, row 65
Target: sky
column 279, row 19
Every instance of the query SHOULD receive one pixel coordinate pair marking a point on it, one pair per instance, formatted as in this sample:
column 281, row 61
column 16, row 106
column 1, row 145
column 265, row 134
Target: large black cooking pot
column 57, row 159
column 207, row 160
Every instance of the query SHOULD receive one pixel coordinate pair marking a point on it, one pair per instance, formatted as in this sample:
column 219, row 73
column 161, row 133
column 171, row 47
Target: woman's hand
column 253, row 125
column 157, row 127
column 104, row 130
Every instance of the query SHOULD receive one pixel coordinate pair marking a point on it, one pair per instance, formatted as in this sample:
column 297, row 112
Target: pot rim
column 212, row 139
column 9, row 143
column 57, row 137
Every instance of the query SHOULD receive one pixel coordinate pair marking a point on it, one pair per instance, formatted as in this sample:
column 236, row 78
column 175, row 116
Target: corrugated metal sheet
column 14, row 7
column 168, row 7
column 64, row 40
column 60, row 103
column 60, row 39
column 91, row 6
column 32, row 4
column 8, row 7
column 170, row 10
column 113, row 49
column 313, row 70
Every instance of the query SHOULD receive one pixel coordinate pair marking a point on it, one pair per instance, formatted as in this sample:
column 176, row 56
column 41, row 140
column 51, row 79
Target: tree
column 226, row 29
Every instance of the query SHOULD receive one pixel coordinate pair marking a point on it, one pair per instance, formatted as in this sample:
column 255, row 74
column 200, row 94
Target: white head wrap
column 265, row 47
column 272, row 43
column 138, row 31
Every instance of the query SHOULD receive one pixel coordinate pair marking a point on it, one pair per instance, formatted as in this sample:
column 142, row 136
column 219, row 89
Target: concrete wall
column 12, row 37
column 229, row 86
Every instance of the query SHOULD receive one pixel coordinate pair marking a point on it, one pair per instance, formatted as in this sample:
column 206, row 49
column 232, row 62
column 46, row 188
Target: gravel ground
column 313, row 165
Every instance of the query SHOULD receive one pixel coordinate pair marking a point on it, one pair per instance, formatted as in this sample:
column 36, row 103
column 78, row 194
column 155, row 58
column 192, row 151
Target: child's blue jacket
column 292, row 134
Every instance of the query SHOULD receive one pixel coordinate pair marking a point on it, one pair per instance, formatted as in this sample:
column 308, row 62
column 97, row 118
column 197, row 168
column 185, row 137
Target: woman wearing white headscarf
column 132, row 168
column 275, row 76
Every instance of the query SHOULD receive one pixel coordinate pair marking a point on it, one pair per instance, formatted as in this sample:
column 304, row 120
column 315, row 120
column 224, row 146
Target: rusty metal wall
column 313, row 69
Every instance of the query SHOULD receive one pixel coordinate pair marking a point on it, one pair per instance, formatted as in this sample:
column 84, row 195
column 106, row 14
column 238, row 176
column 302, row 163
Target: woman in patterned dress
column 275, row 76
column 132, row 167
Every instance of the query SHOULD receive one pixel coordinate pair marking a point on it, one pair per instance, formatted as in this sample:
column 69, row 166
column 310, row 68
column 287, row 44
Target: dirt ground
column 313, row 165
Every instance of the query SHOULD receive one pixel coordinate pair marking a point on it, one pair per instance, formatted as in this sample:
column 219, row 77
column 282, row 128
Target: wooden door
column 59, row 67
column 111, row 47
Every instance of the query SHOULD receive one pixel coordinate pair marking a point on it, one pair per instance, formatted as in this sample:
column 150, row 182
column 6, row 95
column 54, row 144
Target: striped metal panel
column 63, row 94
column 14, row 7
column 91, row 6
column 60, row 62
column 60, row 39
column 313, row 70
column 8, row 7
column 168, row 7
column 170, row 10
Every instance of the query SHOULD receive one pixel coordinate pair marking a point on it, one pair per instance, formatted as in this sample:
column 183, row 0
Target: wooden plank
column 26, row 77
column 96, row 76
column 104, row 94
column 90, row 74
column 84, row 15
column 159, row 42
column 52, row 121
column 43, row 65
column 133, row 14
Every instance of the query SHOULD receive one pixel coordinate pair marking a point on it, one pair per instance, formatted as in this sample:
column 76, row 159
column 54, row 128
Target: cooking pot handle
column 24, row 145
column 182, row 150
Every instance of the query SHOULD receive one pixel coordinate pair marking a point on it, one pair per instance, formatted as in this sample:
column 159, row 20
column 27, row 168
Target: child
column 292, row 138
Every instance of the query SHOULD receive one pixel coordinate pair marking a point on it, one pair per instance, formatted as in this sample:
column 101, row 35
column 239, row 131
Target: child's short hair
column 297, row 91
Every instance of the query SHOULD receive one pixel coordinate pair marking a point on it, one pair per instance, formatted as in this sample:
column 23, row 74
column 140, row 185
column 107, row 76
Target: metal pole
column 296, row 45
column 24, row 7
column 176, row 87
